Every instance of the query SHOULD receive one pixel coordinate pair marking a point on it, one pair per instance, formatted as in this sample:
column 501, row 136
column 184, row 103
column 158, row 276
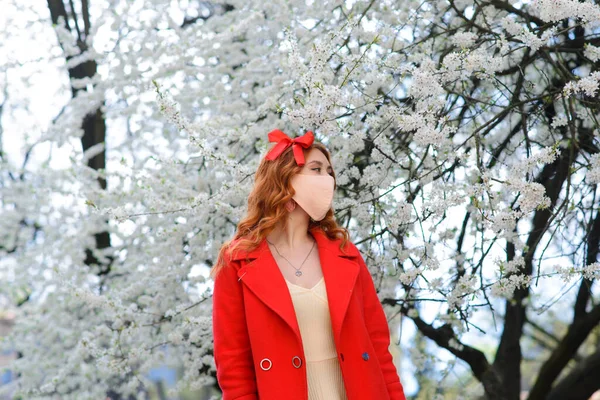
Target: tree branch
column 444, row 337
column 581, row 383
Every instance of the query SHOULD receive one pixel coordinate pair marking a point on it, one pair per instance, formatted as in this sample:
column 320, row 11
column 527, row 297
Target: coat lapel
column 263, row 277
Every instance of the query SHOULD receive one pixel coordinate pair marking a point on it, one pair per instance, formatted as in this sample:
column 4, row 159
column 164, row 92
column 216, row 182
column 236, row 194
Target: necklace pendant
column 298, row 273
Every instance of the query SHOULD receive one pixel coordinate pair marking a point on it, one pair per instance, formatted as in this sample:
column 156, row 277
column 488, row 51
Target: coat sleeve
column 231, row 343
column 379, row 332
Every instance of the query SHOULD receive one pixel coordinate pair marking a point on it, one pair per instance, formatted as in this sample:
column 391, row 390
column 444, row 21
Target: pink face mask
column 314, row 193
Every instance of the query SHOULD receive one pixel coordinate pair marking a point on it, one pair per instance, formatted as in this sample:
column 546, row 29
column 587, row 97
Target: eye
column 330, row 172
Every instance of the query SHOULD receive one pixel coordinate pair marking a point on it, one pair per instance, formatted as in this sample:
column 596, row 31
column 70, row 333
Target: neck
column 292, row 236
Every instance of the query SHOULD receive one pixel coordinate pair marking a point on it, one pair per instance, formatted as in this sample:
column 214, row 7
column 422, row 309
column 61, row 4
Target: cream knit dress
column 323, row 371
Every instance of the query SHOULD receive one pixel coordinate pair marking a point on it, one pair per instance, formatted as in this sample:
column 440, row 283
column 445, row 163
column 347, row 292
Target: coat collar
column 263, row 277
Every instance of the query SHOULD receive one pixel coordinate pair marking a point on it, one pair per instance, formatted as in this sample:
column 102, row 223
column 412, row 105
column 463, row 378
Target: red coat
column 254, row 321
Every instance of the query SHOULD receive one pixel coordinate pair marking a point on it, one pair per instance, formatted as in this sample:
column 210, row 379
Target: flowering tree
column 465, row 139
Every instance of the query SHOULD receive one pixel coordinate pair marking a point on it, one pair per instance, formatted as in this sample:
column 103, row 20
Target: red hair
column 266, row 206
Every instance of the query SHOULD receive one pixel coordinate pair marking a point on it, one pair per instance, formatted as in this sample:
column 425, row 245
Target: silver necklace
column 298, row 272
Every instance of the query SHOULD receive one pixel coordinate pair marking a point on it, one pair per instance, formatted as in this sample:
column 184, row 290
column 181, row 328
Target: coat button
column 265, row 367
column 296, row 361
column 365, row 356
column 342, row 356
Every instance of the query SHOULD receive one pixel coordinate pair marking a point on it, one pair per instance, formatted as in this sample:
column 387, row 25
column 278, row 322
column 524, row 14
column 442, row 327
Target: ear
column 290, row 205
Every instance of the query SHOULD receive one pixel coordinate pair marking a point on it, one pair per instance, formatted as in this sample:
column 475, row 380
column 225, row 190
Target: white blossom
column 587, row 85
column 505, row 287
column 466, row 285
column 556, row 10
column 592, row 52
column 593, row 172
column 464, row 39
column 568, row 272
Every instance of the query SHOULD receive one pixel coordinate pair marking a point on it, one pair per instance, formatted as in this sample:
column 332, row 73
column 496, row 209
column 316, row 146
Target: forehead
column 316, row 155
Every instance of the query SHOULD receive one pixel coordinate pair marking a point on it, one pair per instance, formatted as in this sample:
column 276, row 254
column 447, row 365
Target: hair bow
column 284, row 141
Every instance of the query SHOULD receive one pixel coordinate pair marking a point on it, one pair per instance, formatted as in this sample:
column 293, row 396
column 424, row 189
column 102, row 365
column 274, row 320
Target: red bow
column 284, row 141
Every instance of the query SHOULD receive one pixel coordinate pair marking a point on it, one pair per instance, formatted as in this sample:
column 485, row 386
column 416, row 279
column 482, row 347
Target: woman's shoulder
column 235, row 252
column 348, row 249
column 351, row 249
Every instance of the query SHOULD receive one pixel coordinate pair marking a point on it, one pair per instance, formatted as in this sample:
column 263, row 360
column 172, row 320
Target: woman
column 295, row 311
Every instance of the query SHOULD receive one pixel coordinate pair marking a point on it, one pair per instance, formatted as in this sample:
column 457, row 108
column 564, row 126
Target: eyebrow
column 319, row 163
